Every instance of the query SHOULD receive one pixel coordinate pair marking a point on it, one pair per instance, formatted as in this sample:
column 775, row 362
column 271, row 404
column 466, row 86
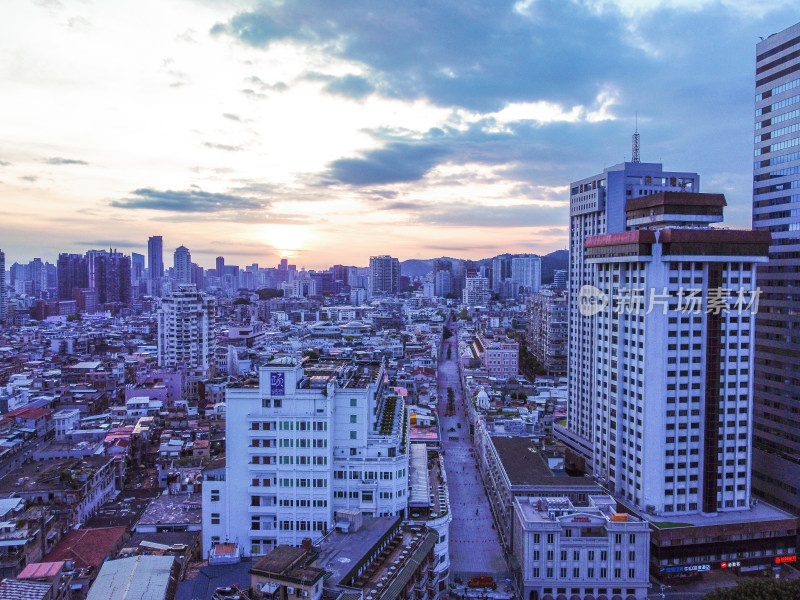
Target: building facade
column 597, row 207
column 673, row 355
column 186, row 330
column 585, row 552
column 155, row 264
column 182, row 265
column 548, row 328
column 305, row 441
column 476, row 290
column 384, row 276
column 776, row 208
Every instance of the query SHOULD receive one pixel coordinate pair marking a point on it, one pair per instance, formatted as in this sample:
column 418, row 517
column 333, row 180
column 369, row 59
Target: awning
column 270, row 587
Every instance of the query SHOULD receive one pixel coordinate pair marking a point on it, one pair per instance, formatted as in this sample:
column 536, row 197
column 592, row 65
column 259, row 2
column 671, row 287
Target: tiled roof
column 87, row 547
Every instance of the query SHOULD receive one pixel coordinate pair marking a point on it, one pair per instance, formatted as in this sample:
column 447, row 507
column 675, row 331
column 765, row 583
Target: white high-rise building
column 526, row 273
column 597, row 206
column 476, row 290
column 186, row 332
column 182, row 265
column 673, row 355
column 307, row 440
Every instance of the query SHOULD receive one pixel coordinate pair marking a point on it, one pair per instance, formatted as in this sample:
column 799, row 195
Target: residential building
column 72, row 272
column 182, row 265
column 155, row 264
column 186, row 330
column 304, row 441
column 776, row 208
column 560, row 279
column 526, row 274
column 597, row 206
column 591, row 551
column 548, row 328
column 498, row 355
column 476, row 290
column 384, row 276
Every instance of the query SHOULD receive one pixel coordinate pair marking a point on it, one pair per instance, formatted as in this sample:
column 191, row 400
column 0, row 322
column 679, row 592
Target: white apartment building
column 182, row 265
column 304, row 441
column 526, row 273
column 673, row 355
column 597, row 207
column 566, row 551
column 186, row 333
column 476, row 290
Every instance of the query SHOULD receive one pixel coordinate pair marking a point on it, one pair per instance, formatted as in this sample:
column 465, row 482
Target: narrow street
column 474, row 544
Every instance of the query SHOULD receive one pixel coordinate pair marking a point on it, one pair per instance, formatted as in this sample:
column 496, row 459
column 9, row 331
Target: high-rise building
column 186, row 330
column 72, row 273
column 776, row 208
column 309, row 440
column 3, row 301
column 560, row 279
column 182, row 263
column 109, row 273
column 548, row 326
column 384, row 275
column 155, row 263
column 597, row 207
column 673, row 355
column 137, row 266
column 526, row 274
column 476, row 290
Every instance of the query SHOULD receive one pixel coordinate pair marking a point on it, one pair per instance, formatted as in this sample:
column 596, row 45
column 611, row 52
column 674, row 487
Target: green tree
column 758, row 589
column 446, row 333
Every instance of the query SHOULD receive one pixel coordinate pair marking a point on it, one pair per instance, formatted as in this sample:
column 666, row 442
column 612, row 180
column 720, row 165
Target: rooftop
column 341, row 552
column 173, row 509
column 87, row 547
column 136, row 578
column 290, row 563
column 525, row 465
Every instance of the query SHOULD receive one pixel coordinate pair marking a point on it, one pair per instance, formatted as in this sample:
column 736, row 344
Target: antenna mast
column 635, row 142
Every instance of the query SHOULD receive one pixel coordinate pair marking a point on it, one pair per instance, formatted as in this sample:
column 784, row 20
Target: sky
column 327, row 131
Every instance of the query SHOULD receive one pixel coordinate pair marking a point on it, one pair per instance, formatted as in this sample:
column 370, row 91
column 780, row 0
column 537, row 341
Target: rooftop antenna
column 635, row 142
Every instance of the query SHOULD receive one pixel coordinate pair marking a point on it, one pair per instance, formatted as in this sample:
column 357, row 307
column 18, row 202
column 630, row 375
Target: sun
column 288, row 240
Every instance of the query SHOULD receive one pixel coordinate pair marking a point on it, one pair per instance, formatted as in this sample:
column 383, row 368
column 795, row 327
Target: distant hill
column 550, row 263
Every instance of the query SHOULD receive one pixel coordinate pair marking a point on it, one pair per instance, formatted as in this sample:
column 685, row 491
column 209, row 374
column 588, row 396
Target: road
column 474, row 544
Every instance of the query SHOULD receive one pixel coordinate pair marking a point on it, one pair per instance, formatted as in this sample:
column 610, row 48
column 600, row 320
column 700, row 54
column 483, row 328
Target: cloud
column 473, row 214
column 187, row 201
column 393, row 163
column 4, row 163
column 31, row 178
column 231, row 116
column 57, row 160
column 225, row 147
column 350, row 86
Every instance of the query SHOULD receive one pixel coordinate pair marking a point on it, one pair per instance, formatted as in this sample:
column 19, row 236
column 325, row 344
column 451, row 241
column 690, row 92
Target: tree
column 758, row 589
column 269, row 293
column 239, row 301
column 446, row 333
column 74, row 317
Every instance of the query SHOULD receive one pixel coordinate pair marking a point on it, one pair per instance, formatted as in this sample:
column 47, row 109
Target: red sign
column 724, row 565
column 785, row 559
column 581, row 519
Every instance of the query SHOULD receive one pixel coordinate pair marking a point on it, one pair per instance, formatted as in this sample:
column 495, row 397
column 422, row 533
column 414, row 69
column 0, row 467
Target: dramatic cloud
column 188, row 201
column 396, row 162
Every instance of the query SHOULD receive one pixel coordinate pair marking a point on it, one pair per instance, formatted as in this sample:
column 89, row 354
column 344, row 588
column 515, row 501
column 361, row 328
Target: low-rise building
column 564, row 551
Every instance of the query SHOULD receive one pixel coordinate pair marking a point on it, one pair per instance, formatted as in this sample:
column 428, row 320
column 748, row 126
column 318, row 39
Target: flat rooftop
column 525, row 465
column 340, row 552
column 759, row 513
column 173, row 510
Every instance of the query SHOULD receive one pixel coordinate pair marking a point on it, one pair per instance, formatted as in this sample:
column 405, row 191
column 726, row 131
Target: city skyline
column 256, row 132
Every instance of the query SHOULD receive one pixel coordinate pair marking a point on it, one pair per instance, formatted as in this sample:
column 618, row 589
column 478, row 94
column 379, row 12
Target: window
column 353, row 435
column 215, row 495
column 278, row 402
column 215, row 518
column 353, row 418
column 353, row 402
